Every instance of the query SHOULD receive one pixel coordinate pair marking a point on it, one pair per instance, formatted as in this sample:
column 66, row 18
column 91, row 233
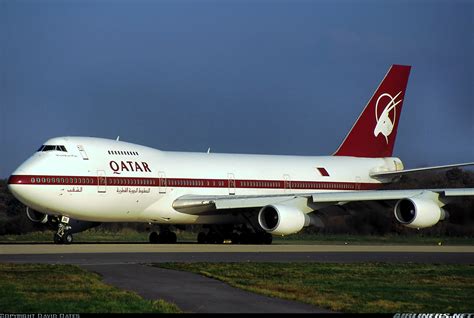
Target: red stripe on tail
column 373, row 134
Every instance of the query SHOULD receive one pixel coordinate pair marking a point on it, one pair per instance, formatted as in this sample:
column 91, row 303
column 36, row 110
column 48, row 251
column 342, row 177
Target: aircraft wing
column 197, row 204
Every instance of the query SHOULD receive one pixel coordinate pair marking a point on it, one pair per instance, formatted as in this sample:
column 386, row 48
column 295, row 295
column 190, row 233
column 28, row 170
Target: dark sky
column 273, row 77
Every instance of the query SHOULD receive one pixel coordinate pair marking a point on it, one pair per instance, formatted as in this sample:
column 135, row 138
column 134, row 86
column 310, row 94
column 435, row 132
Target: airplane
column 75, row 183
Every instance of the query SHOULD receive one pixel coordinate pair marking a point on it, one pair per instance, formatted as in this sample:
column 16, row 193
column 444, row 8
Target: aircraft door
column 357, row 185
column 161, row 182
column 83, row 152
column 231, row 183
column 287, row 182
column 101, row 181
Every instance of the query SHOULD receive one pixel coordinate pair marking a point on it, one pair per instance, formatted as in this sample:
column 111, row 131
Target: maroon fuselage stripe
column 188, row 183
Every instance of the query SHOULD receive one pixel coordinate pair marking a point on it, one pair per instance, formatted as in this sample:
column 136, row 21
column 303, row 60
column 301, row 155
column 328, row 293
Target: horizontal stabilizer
column 390, row 175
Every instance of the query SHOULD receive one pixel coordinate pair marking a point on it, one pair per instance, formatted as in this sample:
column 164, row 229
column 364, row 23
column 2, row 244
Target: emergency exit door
column 231, row 183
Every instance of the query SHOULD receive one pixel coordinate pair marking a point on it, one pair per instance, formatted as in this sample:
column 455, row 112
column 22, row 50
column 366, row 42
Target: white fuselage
column 113, row 181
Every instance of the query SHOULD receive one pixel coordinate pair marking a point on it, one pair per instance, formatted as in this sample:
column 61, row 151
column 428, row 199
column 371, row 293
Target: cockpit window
column 52, row 148
column 49, row 148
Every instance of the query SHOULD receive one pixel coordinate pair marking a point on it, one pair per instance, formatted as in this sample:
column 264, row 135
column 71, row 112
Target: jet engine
column 282, row 219
column 418, row 212
column 36, row 216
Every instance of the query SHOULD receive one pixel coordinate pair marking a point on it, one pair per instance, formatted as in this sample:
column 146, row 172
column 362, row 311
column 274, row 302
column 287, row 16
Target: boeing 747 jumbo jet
column 75, row 183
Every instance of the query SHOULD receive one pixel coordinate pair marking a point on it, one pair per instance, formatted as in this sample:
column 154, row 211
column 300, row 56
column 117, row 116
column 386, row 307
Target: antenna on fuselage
column 209, row 150
column 118, row 138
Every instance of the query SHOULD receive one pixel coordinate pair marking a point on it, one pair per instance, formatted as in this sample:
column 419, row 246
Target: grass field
column 26, row 288
column 127, row 235
column 353, row 288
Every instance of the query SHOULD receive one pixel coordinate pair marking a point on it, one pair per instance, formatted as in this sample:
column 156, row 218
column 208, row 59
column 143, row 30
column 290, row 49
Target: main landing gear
column 165, row 236
column 217, row 234
column 229, row 234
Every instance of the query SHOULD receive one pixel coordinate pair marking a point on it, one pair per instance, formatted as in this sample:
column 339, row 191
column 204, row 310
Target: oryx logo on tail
column 363, row 139
column 386, row 122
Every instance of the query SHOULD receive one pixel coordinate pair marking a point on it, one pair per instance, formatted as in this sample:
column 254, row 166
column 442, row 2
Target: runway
column 80, row 254
column 124, row 266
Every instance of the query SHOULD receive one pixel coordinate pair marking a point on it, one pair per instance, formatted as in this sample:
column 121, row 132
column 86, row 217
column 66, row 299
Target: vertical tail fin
column 373, row 134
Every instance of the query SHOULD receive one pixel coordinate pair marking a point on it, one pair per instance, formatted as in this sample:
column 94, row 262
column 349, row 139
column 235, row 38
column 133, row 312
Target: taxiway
column 125, row 266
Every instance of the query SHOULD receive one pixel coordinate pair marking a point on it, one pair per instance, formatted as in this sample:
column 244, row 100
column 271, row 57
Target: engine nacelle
column 418, row 212
column 36, row 216
column 282, row 219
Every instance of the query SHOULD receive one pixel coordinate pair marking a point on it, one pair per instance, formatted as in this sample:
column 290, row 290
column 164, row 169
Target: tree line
column 353, row 218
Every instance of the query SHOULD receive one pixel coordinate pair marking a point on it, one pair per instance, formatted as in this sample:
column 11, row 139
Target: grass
column 128, row 235
column 26, row 288
column 352, row 288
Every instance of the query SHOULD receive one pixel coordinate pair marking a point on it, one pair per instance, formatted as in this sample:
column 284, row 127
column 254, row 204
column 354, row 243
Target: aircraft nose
column 21, row 186
column 14, row 185
column 18, row 181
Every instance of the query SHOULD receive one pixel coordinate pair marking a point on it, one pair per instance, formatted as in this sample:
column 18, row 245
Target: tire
column 235, row 238
column 252, row 238
column 171, row 238
column 153, row 238
column 218, row 239
column 57, row 239
column 201, row 238
column 267, row 238
column 68, row 238
column 245, row 238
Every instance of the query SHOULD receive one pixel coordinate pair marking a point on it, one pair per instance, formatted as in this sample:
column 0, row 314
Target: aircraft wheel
column 267, row 238
column 219, row 239
column 244, row 238
column 171, row 238
column 153, row 238
column 201, row 238
column 235, row 238
column 67, row 238
column 210, row 237
column 214, row 238
column 57, row 239
column 167, row 237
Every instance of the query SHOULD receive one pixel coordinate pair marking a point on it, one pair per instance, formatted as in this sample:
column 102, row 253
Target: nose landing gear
column 63, row 234
column 65, row 227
